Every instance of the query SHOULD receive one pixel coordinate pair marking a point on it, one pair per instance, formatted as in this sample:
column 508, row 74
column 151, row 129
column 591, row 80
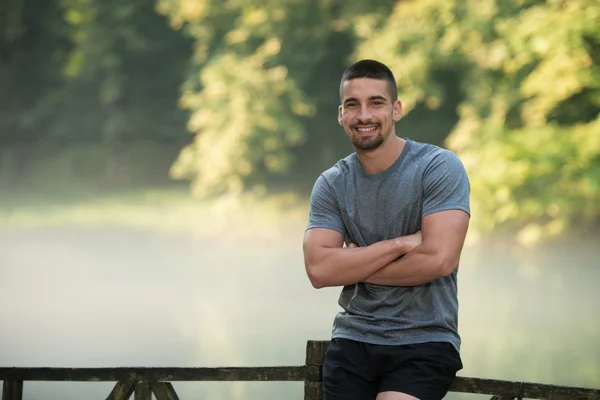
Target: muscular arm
column 438, row 255
column 327, row 263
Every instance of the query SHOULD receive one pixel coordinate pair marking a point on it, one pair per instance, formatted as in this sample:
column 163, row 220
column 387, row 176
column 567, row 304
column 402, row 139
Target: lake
column 107, row 297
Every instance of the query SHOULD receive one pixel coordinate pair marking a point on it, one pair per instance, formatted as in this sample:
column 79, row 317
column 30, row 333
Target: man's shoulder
column 423, row 150
column 428, row 154
column 340, row 169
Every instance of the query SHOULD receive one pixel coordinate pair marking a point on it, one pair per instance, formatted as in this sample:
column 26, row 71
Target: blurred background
column 156, row 158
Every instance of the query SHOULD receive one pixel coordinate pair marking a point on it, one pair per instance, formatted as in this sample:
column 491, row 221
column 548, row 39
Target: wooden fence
column 143, row 382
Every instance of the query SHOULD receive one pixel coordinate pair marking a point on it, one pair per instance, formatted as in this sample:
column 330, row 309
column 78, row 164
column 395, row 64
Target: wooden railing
column 143, row 382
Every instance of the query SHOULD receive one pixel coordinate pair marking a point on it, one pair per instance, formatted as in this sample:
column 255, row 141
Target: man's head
column 369, row 104
column 370, row 69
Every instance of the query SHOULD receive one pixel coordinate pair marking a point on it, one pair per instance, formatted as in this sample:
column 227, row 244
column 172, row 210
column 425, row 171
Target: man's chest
column 379, row 210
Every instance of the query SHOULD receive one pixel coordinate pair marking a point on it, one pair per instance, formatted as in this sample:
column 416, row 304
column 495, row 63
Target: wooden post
column 164, row 391
column 12, row 390
column 121, row 391
column 315, row 354
column 142, row 391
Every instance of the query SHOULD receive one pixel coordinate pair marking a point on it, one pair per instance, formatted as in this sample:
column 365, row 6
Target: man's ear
column 397, row 113
column 340, row 115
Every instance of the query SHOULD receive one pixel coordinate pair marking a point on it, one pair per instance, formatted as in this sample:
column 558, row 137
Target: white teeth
column 365, row 129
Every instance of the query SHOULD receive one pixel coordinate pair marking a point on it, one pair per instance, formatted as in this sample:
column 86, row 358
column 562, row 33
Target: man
column 402, row 209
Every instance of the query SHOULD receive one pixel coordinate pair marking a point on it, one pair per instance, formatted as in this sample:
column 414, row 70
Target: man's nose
column 364, row 114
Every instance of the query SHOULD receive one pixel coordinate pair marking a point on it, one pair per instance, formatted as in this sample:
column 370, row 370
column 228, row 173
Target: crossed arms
column 405, row 261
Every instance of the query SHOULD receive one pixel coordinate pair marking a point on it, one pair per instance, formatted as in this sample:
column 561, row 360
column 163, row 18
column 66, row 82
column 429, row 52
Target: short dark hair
column 370, row 69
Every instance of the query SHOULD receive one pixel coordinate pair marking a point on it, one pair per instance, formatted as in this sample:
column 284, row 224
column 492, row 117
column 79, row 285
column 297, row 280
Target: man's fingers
column 352, row 245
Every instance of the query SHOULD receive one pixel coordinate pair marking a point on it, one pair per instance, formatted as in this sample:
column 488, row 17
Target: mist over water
column 75, row 297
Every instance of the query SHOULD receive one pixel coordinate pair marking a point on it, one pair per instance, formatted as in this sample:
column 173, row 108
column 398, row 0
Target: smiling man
column 402, row 209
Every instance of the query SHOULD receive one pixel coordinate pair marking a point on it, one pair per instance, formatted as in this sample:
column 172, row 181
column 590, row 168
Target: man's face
column 367, row 112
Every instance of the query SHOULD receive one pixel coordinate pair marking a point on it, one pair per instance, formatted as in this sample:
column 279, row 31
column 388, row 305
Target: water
column 74, row 297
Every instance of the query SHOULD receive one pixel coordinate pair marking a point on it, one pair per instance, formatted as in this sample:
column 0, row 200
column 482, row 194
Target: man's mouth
column 366, row 129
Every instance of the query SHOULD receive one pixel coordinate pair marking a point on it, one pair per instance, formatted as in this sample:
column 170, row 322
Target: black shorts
column 359, row 371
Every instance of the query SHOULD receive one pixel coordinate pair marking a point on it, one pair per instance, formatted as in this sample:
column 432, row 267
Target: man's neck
column 380, row 159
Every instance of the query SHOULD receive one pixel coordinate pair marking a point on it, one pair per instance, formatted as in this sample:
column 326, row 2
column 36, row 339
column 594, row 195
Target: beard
column 367, row 143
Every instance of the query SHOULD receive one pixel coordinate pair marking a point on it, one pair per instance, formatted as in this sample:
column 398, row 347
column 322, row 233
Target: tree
column 121, row 78
column 32, row 41
column 85, row 86
column 529, row 127
column 261, row 70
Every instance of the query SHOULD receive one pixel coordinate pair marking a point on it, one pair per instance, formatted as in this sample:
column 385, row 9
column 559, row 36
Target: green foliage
column 87, row 71
column 114, row 89
column 512, row 85
column 529, row 130
column 241, row 114
column 248, row 92
column 32, row 49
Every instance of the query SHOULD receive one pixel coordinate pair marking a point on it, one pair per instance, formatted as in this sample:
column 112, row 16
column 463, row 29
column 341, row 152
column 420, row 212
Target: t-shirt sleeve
column 324, row 209
column 446, row 185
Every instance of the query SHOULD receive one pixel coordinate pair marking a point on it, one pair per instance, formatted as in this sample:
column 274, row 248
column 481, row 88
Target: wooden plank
column 142, row 391
column 555, row 392
column 527, row 390
column 121, row 391
column 164, row 391
column 313, row 390
column 154, row 374
column 12, row 390
column 315, row 356
column 315, row 351
column 485, row 386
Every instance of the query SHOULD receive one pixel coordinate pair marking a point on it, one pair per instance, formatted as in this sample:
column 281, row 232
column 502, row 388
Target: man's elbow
column 315, row 276
column 447, row 265
column 316, row 282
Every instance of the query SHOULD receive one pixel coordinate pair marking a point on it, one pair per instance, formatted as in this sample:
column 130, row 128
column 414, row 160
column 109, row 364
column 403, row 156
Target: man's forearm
column 418, row 267
column 349, row 265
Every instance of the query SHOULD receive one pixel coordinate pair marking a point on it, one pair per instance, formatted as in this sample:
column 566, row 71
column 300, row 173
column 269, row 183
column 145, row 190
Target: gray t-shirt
column 368, row 208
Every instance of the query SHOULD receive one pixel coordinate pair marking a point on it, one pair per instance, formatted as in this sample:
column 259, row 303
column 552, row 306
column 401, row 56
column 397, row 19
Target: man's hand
column 411, row 241
column 407, row 243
